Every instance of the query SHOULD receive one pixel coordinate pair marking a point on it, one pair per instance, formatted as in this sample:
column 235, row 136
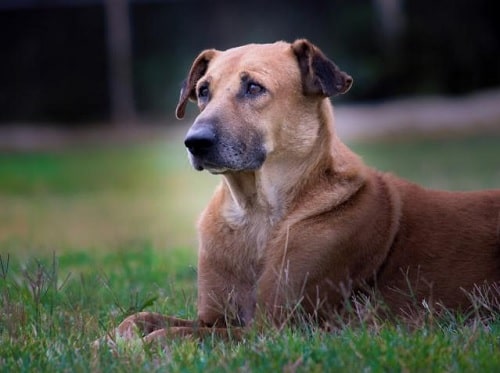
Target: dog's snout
column 200, row 140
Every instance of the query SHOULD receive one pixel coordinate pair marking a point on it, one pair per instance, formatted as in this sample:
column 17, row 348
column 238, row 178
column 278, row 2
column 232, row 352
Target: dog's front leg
column 280, row 298
column 290, row 293
column 142, row 324
column 224, row 299
column 147, row 326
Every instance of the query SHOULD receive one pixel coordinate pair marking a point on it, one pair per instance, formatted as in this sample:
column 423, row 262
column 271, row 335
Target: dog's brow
column 245, row 76
column 255, row 71
column 205, row 80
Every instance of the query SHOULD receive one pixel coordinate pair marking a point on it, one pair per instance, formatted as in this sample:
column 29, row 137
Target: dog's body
column 299, row 221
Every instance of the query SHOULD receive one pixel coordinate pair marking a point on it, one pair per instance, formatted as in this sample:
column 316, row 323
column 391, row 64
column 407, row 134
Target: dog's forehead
column 258, row 58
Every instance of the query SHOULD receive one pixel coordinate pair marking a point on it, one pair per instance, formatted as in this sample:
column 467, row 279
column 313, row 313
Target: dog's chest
column 252, row 229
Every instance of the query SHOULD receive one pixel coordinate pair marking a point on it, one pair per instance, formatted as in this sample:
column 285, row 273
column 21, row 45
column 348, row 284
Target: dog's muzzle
column 218, row 151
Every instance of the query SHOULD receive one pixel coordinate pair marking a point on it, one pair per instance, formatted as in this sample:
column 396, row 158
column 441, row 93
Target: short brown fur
column 298, row 219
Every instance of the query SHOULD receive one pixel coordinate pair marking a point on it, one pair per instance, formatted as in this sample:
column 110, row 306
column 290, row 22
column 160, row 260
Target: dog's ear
column 188, row 90
column 320, row 76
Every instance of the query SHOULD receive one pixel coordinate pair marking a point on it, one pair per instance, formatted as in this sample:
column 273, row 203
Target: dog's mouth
column 224, row 166
column 199, row 165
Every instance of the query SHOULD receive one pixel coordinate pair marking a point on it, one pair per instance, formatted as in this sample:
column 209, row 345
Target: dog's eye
column 203, row 91
column 254, row 89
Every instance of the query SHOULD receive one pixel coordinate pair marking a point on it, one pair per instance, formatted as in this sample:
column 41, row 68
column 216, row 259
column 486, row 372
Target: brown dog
column 299, row 222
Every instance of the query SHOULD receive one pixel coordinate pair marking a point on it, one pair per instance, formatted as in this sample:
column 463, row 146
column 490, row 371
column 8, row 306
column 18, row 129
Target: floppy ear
column 320, row 76
column 188, row 90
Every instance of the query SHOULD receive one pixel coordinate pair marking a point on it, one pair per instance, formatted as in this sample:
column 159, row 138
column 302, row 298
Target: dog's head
column 257, row 101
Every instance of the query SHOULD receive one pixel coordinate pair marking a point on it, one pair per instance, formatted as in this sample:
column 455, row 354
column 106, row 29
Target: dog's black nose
column 200, row 140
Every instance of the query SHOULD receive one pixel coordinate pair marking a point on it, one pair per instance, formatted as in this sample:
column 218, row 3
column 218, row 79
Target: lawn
column 90, row 235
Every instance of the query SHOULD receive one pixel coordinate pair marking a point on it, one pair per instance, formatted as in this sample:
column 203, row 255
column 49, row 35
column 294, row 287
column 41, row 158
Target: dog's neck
column 267, row 192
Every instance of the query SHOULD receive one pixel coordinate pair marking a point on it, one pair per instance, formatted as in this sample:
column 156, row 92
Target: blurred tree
column 391, row 20
column 120, row 63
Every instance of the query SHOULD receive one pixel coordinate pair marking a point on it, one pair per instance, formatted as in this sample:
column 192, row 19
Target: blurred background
column 71, row 62
column 91, row 155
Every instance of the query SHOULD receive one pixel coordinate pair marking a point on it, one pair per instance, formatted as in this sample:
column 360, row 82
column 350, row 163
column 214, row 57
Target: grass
column 100, row 198
column 461, row 163
column 88, row 236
